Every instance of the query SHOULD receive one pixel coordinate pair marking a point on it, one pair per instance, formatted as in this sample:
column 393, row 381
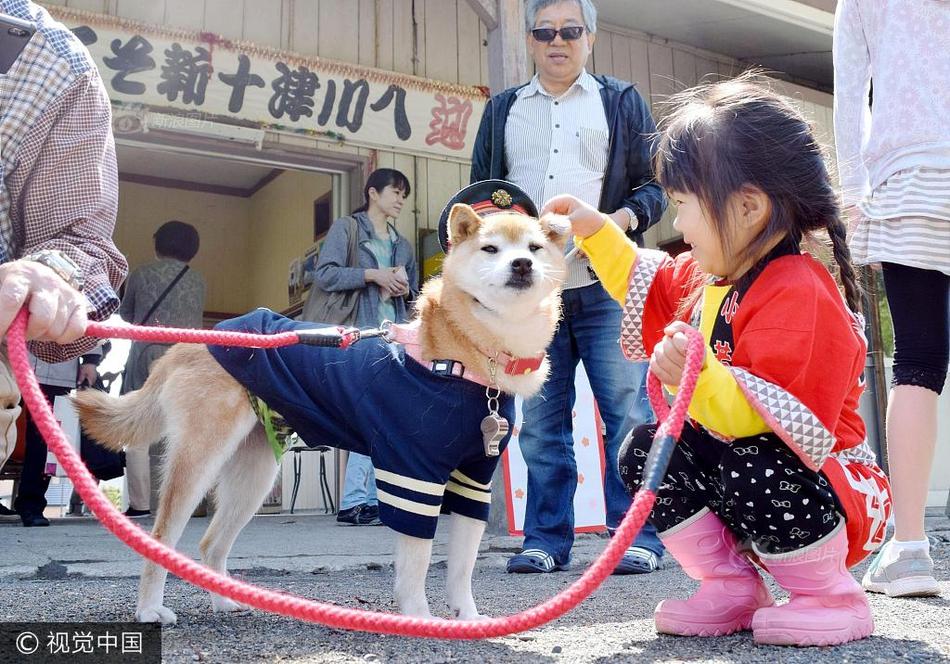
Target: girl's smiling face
column 699, row 233
column 747, row 214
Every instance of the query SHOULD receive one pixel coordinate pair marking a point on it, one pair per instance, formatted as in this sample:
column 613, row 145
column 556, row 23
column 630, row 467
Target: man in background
column 567, row 131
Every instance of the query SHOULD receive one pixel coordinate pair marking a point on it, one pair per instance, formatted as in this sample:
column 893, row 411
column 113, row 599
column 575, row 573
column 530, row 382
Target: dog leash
column 673, row 418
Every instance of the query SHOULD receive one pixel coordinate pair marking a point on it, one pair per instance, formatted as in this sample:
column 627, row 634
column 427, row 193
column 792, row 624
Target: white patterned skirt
column 906, row 220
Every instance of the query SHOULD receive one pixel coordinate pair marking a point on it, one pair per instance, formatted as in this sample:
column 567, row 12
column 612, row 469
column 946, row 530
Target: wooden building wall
column 438, row 39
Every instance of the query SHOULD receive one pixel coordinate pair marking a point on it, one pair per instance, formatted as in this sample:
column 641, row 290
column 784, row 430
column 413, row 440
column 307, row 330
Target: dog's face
column 505, row 259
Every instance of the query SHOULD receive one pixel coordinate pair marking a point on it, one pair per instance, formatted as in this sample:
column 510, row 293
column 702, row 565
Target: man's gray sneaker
column 910, row 575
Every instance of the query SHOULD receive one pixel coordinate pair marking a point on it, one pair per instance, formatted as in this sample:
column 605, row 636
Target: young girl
column 774, row 455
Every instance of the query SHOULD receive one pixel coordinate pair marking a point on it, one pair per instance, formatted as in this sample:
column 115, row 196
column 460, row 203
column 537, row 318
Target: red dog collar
column 518, row 366
column 407, row 334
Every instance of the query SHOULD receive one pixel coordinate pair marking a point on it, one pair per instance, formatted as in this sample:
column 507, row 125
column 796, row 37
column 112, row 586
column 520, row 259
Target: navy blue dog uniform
column 421, row 429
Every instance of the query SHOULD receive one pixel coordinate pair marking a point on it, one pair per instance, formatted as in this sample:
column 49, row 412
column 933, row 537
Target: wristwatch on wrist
column 634, row 222
column 61, row 264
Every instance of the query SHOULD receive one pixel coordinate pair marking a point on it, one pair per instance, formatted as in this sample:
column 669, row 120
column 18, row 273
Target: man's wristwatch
column 634, row 223
column 67, row 269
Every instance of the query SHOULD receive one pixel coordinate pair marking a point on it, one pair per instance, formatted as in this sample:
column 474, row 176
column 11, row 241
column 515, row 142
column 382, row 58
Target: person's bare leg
column 911, row 438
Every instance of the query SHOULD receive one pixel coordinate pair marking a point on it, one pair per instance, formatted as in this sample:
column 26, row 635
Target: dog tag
column 494, row 429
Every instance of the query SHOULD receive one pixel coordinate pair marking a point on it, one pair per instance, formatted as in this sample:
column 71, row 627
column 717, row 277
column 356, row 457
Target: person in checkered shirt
column 58, row 199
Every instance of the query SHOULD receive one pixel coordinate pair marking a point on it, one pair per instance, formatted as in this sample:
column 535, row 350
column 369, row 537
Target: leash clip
column 384, row 331
column 329, row 337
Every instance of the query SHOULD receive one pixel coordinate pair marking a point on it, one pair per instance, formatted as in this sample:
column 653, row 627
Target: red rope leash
column 298, row 607
column 341, row 337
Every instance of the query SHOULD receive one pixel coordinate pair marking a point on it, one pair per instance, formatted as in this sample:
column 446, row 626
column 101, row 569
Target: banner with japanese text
column 203, row 75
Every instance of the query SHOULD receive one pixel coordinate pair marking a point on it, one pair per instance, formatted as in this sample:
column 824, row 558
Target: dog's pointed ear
column 463, row 223
column 556, row 227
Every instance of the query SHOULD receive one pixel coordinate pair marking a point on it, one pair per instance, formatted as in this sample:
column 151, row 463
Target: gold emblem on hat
column 501, row 198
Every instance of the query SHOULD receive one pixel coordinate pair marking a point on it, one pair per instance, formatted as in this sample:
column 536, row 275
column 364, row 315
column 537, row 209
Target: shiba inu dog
column 415, row 402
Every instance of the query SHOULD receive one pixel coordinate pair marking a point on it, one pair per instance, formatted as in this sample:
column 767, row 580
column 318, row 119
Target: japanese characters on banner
column 590, row 511
column 215, row 79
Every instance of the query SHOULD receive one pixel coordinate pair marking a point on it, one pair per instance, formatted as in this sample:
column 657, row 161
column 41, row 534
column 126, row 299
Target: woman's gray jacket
column 333, row 272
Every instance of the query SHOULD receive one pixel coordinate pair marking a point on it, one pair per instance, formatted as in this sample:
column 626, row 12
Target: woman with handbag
column 165, row 292
column 365, row 274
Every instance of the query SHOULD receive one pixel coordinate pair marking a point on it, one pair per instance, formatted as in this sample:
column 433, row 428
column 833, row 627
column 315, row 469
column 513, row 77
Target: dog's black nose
column 521, row 266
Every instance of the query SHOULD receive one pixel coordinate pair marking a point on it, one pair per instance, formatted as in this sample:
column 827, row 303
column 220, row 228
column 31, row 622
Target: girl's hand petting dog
column 669, row 356
column 585, row 219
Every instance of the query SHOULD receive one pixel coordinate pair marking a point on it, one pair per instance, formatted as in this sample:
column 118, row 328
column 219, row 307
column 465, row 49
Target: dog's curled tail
column 133, row 419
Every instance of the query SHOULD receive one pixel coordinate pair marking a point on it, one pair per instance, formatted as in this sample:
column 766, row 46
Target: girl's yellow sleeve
column 720, row 405
column 612, row 255
column 718, row 402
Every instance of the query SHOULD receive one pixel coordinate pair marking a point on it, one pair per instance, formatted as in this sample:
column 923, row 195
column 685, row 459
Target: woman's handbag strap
column 162, row 296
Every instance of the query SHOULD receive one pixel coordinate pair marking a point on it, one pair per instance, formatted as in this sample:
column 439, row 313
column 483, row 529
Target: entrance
column 259, row 211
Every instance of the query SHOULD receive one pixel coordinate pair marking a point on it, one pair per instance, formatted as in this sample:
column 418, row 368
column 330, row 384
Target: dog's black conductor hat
column 487, row 197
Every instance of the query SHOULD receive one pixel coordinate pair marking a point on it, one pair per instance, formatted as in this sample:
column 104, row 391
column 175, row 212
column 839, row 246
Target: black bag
column 102, row 463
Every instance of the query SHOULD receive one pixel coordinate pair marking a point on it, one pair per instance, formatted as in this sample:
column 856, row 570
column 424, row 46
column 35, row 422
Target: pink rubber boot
column 827, row 605
column 730, row 590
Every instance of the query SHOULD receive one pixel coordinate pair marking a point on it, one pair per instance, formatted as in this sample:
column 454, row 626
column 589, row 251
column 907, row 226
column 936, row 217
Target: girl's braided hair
column 719, row 137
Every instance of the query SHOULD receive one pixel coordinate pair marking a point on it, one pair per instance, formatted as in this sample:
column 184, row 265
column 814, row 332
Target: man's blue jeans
column 359, row 483
column 589, row 331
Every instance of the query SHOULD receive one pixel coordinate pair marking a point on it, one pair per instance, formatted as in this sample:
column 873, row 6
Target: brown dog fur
column 214, row 441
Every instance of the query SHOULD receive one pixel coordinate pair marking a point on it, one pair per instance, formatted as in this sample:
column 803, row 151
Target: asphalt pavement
column 77, row 571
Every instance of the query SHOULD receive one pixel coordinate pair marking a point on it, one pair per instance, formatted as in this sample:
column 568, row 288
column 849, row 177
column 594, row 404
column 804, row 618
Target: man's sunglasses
column 568, row 33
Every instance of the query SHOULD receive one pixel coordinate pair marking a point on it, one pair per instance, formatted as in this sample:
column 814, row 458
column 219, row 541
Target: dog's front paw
column 472, row 614
column 221, row 604
column 156, row 614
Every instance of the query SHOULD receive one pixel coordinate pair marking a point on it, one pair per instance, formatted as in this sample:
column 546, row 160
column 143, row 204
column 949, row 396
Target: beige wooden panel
column 707, row 71
column 829, row 123
column 640, row 66
column 418, row 174
column 403, row 56
column 727, row 69
column 54, row 2
column 422, row 47
column 339, row 147
column 603, row 59
column 664, row 81
column 406, row 165
column 441, row 39
column 339, row 25
column 384, row 34
column 442, row 183
column 661, row 75
column 651, row 235
column 98, row 6
column 225, row 17
column 263, row 24
column 384, row 159
column 185, row 14
column 684, row 69
column 620, row 50
column 148, row 11
column 469, row 45
column 303, row 31
column 483, row 53
column 367, row 34
column 663, row 230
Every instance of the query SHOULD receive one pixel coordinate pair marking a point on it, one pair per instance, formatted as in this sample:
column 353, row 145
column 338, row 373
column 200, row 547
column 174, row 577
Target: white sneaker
column 908, row 575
